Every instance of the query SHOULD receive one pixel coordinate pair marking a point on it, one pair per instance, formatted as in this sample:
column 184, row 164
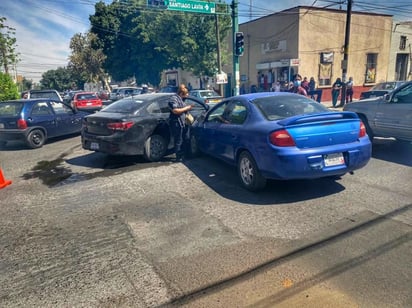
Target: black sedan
column 137, row 125
column 381, row 89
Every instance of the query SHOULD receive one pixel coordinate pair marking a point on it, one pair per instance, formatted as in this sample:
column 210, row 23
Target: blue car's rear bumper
column 293, row 163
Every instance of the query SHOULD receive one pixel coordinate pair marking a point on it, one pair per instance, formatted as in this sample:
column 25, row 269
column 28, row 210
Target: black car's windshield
column 126, row 105
column 10, row 108
column 384, row 86
column 279, row 107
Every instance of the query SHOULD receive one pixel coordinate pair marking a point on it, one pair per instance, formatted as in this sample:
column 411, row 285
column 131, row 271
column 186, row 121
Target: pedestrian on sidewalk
column 349, row 90
column 297, row 86
column 336, row 87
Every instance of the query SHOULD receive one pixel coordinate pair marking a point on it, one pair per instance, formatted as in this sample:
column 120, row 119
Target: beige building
column 310, row 41
column 401, row 52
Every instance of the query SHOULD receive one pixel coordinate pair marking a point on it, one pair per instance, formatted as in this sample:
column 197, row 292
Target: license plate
column 335, row 159
column 1, row 125
column 88, row 103
column 94, row 146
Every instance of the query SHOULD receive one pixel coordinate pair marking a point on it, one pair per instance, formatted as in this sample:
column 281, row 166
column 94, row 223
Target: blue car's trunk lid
column 319, row 130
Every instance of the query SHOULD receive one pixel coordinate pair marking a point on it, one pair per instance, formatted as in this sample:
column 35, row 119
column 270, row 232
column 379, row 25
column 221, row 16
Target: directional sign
column 190, row 6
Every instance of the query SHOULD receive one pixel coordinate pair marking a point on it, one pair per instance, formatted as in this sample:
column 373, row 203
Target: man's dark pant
column 181, row 137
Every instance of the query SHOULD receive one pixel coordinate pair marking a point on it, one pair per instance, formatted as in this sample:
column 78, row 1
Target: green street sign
column 190, row 6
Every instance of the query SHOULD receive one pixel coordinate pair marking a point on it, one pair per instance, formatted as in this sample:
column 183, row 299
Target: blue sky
column 44, row 27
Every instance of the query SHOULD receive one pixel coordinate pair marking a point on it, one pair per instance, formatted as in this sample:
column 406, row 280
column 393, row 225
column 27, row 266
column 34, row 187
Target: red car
column 87, row 101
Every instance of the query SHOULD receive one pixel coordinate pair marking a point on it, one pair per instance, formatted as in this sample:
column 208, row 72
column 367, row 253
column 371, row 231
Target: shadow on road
column 223, row 179
column 391, row 150
column 364, row 222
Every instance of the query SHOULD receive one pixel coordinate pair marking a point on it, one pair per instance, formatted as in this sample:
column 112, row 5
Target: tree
column 60, row 79
column 8, row 55
column 141, row 43
column 87, row 58
column 8, row 89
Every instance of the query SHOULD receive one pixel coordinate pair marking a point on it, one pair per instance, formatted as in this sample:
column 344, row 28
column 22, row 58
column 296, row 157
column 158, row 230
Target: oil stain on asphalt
column 57, row 172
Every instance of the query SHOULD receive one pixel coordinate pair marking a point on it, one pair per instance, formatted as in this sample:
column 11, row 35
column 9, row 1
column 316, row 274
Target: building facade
column 400, row 67
column 310, row 41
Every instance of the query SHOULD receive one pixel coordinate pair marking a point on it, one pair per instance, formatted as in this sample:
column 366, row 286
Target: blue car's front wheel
column 249, row 173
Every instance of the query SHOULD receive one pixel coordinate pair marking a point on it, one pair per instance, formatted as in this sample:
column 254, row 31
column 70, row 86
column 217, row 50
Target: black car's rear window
column 10, row 108
column 126, row 105
column 279, row 107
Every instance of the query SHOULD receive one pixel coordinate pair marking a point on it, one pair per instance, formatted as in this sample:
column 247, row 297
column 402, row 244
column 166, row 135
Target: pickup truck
column 52, row 94
column 387, row 116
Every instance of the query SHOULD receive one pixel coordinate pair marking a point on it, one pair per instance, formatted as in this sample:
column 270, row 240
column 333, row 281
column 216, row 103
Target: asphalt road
column 80, row 229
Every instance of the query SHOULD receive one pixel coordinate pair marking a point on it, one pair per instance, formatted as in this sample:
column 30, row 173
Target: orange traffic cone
column 3, row 181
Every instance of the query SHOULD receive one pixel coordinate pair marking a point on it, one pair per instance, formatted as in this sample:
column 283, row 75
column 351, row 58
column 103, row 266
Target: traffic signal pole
column 235, row 29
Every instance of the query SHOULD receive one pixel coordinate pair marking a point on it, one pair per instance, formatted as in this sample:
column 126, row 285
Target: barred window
column 402, row 43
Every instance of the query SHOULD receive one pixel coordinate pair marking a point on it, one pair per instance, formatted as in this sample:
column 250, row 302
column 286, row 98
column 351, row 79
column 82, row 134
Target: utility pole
column 235, row 28
column 219, row 62
column 346, row 53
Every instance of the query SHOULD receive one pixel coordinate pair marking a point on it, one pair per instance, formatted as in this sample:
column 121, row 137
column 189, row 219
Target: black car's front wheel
column 36, row 139
column 155, row 148
column 249, row 173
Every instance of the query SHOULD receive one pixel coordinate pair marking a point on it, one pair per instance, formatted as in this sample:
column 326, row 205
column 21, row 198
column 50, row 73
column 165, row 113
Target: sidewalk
column 328, row 104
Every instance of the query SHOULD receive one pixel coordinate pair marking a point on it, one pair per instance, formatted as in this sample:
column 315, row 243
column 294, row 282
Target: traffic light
column 239, row 44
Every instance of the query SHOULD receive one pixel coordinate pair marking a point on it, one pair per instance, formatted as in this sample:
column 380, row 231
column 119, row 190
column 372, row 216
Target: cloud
column 43, row 32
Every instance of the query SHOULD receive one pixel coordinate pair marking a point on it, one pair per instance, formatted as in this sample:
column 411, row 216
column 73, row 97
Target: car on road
column 168, row 89
column 136, row 125
column 208, row 96
column 387, row 116
column 381, row 89
column 34, row 121
column 122, row 92
column 52, row 94
column 87, row 101
column 283, row 136
column 68, row 96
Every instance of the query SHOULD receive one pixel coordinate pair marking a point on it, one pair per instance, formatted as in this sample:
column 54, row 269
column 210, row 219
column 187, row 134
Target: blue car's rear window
column 10, row 108
column 279, row 107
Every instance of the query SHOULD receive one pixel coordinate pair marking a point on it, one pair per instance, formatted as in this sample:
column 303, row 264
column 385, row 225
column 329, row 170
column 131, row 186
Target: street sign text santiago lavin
column 191, row 6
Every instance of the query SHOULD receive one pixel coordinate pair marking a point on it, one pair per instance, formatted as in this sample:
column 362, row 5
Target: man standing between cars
column 180, row 130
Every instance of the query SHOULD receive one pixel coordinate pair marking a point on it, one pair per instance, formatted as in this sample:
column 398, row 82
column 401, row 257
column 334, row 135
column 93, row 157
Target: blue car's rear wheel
column 249, row 173
column 36, row 138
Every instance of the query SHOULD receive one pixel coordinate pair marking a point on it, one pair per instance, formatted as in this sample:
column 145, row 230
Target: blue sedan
column 35, row 120
column 284, row 136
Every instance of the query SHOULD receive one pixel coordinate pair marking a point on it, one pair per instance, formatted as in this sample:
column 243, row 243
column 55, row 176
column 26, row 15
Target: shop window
column 371, row 63
column 402, row 43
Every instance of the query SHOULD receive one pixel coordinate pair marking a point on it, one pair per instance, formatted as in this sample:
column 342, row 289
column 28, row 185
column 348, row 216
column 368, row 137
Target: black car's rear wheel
column 155, row 148
column 36, row 138
column 249, row 173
